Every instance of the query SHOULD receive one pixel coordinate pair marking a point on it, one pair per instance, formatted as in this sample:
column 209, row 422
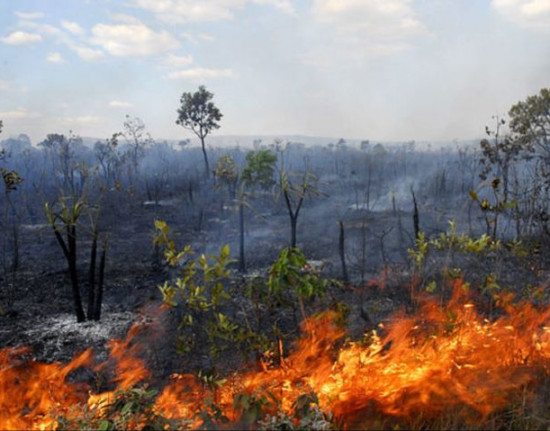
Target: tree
column 62, row 152
column 530, row 127
column 227, row 174
column 11, row 181
column 68, row 215
column 258, row 172
column 109, row 159
column 498, row 155
column 64, row 222
column 530, row 121
column 137, row 139
column 199, row 114
column 294, row 196
column 260, row 168
column 505, row 154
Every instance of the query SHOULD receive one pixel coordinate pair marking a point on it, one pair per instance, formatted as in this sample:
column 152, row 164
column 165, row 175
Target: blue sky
column 365, row 69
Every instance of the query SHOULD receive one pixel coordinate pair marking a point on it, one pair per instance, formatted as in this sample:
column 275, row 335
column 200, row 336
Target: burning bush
column 444, row 367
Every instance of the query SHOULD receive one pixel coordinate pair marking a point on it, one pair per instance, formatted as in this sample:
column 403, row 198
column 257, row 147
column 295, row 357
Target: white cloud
column 199, row 73
column 83, row 120
column 29, row 15
column 3, row 85
column 86, row 53
column 42, row 29
column 119, row 104
column 87, row 119
column 18, row 114
column 180, row 11
column 282, row 5
column 207, row 37
column 527, row 13
column 55, row 57
column 72, row 27
column 21, row 38
column 128, row 40
column 122, row 17
column 380, row 26
column 177, row 61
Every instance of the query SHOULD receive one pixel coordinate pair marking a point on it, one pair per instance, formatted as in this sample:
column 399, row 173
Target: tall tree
column 199, row 114
column 12, row 217
column 240, row 184
column 62, row 152
column 499, row 154
column 530, row 121
column 530, row 125
column 137, row 138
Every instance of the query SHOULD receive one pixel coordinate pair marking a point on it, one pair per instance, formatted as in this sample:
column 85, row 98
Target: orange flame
column 443, row 359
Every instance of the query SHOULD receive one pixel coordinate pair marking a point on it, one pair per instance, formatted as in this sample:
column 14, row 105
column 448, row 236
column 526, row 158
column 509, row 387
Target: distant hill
column 250, row 141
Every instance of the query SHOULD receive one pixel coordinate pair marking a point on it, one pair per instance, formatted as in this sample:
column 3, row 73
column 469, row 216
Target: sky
column 386, row 70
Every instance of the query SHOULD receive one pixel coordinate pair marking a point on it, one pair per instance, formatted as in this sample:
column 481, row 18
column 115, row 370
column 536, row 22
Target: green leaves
column 451, row 240
column 198, row 113
column 260, row 168
column 289, row 272
column 69, row 212
column 11, row 179
column 420, row 251
column 199, row 289
column 226, row 170
column 129, row 409
column 530, row 120
column 253, row 406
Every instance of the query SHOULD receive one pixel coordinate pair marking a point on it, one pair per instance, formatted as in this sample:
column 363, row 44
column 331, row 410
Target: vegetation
column 294, row 195
column 457, row 239
column 199, row 114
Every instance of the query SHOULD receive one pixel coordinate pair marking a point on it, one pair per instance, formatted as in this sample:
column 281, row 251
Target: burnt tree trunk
column 99, row 293
column 416, row 219
column 342, row 251
column 77, row 300
column 14, row 230
column 69, row 251
column 293, row 226
column 91, row 277
column 242, row 263
column 200, row 219
column 190, row 191
column 15, row 261
column 205, row 156
column 293, row 215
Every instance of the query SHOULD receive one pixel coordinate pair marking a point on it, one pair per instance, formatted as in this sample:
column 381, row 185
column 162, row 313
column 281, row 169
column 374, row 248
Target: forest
column 355, row 284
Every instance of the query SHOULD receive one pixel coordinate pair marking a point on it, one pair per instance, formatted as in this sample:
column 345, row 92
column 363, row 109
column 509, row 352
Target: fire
column 30, row 391
column 441, row 361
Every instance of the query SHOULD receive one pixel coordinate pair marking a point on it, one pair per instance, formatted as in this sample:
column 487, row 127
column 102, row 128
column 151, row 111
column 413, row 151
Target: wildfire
column 442, row 360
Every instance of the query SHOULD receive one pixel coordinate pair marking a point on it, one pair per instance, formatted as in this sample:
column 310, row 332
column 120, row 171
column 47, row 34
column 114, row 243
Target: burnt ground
column 37, row 302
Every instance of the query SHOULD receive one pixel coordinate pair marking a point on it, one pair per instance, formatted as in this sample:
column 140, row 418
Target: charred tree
column 294, row 199
column 91, row 277
column 69, row 217
column 416, row 219
column 293, row 214
column 242, row 262
column 99, row 293
column 342, row 251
